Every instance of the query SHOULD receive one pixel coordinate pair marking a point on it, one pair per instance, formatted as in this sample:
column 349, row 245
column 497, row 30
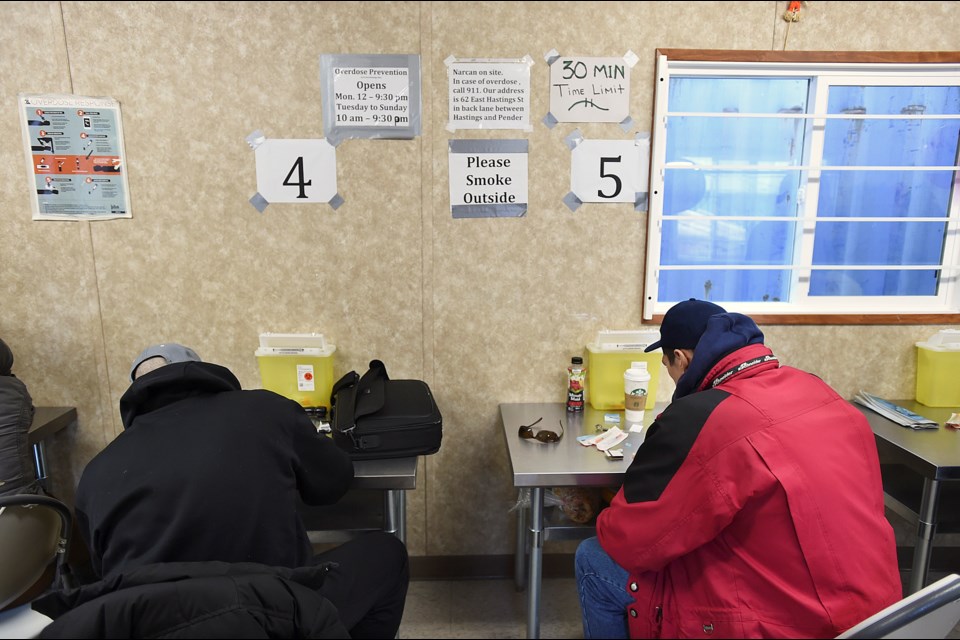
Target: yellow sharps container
column 298, row 366
column 609, row 356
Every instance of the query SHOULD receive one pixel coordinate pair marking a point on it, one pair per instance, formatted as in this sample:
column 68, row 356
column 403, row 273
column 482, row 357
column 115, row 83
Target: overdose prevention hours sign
column 488, row 178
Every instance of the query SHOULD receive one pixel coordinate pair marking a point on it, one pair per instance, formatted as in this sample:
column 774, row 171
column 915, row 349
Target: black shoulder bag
column 376, row 417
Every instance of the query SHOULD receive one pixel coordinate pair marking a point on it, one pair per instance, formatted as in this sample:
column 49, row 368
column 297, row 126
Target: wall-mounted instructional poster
column 590, row 89
column 75, row 159
column 489, row 94
column 488, row 178
column 370, row 96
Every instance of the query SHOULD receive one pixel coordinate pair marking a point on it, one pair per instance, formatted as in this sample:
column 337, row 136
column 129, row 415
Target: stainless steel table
column 394, row 477
column 932, row 453
column 537, row 466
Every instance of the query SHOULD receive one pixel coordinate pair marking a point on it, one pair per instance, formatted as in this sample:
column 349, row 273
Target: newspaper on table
column 895, row 413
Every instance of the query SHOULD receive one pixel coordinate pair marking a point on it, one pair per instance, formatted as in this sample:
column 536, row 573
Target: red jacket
column 754, row 508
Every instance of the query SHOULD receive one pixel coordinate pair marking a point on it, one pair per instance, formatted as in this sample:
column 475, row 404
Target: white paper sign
column 589, row 89
column 609, row 170
column 296, row 170
column 489, row 95
column 488, row 178
column 371, row 96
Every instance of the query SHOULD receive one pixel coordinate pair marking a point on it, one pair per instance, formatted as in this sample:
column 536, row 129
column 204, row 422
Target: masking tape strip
column 488, row 146
column 627, row 123
column 530, row 64
column 630, row 58
column 449, row 61
column 336, row 201
column 572, row 140
column 550, row 120
column 259, row 202
column 517, row 210
column 526, row 59
column 256, row 139
column 572, row 201
column 640, row 201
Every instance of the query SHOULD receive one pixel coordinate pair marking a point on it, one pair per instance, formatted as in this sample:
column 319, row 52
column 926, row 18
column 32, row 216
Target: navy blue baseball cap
column 684, row 323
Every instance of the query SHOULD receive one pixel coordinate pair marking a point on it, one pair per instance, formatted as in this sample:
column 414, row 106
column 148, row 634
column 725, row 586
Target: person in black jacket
column 205, row 471
column 196, row 600
column 16, row 416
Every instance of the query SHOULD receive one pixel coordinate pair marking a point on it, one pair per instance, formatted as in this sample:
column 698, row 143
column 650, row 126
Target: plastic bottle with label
column 636, row 385
column 576, row 375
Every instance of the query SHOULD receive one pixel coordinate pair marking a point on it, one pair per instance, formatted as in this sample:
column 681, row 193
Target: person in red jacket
column 753, row 508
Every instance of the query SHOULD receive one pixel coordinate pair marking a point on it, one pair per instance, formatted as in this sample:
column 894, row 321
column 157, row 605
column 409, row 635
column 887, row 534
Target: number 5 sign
column 294, row 171
column 608, row 171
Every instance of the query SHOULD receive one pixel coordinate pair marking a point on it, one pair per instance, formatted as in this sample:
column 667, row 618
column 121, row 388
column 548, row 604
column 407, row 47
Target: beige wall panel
column 878, row 359
column 198, row 264
column 514, row 299
column 862, row 357
column 50, row 316
column 486, row 310
column 874, row 26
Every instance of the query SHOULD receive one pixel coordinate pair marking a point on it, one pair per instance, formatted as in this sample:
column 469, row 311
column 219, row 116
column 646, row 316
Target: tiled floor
column 487, row 609
column 495, row 609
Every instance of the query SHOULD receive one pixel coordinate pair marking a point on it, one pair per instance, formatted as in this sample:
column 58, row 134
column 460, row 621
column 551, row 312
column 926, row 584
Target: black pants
column 369, row 587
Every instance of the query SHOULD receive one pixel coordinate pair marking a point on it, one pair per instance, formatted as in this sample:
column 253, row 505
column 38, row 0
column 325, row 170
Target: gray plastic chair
column 34, row 534
column 932, row 612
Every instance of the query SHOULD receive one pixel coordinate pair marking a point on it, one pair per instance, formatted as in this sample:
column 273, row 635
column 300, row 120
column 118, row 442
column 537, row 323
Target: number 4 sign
column 294, row 171
column 608, row 171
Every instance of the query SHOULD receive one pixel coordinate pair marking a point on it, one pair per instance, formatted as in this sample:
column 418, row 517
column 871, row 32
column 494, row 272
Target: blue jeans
column 602, row 585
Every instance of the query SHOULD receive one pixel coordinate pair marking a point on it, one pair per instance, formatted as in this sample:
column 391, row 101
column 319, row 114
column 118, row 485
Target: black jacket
column 16, row 416
column 196, row 600
column 205, row 471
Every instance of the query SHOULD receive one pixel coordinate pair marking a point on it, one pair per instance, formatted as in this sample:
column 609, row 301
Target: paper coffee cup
column 636, row 383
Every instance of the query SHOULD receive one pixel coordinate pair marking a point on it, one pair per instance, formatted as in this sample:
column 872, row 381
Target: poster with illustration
column 75, row 159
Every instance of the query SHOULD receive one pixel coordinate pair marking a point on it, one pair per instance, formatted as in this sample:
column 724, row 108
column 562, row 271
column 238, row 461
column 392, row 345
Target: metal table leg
column 402, row 515
column 520, row 555
column 536, row 562
column 40, row 464
column 926, row 529
column 395, row 513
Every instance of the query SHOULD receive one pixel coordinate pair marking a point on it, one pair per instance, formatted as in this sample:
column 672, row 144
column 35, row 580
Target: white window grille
column 801, row 187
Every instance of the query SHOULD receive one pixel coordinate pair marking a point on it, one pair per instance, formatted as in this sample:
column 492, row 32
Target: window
column 806, row 184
